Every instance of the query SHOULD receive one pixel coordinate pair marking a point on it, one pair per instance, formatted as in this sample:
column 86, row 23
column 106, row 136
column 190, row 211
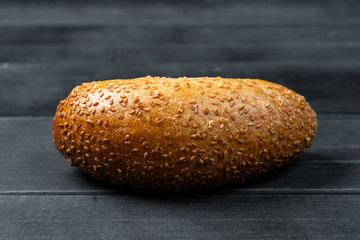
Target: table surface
column 49, row 47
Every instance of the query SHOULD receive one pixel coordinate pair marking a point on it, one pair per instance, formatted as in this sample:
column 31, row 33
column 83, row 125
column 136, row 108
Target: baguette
column 174, row 134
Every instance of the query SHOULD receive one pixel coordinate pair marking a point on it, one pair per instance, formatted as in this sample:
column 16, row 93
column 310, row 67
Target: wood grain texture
column 32, row 165
column 36, row 89
column 109, row 9
column 46, row 49
column 49, row 47
column 200, row 216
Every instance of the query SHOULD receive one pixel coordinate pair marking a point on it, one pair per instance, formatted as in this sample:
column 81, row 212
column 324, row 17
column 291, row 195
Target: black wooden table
column 49, row 47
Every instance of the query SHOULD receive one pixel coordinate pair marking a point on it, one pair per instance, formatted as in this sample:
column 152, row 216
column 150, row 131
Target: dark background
column 49, row 47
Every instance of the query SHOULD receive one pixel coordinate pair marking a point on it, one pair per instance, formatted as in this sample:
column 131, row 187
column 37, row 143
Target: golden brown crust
column 182, row 133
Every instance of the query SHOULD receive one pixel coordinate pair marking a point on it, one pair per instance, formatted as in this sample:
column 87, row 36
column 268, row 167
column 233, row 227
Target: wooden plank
column 77, row 10
column 31, row 164
column 196, row 216
column 150, row 33
column 36, row 89
column 246, row 52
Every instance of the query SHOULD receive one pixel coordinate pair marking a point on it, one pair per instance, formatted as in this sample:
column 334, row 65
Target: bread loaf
column 176, row 134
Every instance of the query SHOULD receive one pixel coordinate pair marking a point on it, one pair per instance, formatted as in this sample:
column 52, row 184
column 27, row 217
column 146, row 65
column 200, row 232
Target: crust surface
column 182, row 133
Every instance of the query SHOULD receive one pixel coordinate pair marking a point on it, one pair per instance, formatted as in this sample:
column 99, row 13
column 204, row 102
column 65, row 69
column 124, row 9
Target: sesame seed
column 158, row 121
column 188, row 117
